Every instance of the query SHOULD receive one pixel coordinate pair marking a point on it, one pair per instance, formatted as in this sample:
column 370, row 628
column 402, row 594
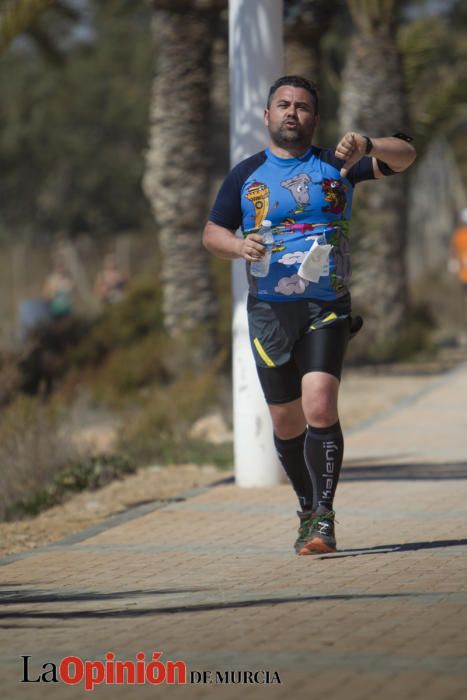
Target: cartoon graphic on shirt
column 307, row 202
column 334, row 193
column 298, row 188
column 292, row 258
column 291, row 285
column 278, row 246
column 289, row 226
column 341, row 253
column 258, row 194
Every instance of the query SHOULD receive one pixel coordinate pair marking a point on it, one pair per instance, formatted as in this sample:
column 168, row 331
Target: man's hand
column 226, row 245
column 351, row 148
column 252, row 248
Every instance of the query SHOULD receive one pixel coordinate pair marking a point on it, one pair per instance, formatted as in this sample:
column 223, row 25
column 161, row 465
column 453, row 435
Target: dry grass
column 32, row 449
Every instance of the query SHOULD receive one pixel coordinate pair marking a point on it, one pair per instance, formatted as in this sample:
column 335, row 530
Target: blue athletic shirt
column 306, row 199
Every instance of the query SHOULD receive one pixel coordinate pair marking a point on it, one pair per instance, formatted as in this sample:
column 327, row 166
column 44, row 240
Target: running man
column 299, row 328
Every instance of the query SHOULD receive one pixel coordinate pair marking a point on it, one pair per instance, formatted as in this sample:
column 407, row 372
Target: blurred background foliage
column 434, row 49
column 84, row 112
column 74, row 128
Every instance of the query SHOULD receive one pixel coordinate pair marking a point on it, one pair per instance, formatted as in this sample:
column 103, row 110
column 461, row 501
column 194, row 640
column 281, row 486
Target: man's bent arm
column 223, row 243
column 395, row 152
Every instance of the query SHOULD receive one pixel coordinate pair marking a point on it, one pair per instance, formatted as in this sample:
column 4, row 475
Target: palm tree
column 374, row 102
column 24, row 16
column 305, row 23
column 434, row 50
column 16, row 16
column 176, row 180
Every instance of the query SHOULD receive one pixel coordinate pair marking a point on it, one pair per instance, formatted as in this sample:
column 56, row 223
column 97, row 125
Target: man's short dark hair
column 294, row 81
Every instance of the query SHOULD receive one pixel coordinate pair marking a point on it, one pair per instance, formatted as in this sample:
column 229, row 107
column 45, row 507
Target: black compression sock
column 324, row 452
column 292, row 459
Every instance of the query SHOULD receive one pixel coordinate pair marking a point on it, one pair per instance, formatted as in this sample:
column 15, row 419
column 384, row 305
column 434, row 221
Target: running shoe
column 320, row 538
column 305, row 520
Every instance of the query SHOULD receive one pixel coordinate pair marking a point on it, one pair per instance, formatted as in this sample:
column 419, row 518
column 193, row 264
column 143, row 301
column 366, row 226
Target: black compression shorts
column 290, row 339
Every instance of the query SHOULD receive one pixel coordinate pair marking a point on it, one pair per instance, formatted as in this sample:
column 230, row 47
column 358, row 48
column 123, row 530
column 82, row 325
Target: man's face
column 291, row 118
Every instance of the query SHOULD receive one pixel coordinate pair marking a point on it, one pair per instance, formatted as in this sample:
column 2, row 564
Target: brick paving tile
column 213, row 580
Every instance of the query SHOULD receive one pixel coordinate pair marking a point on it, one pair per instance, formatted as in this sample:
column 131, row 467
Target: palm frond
column 435, row 64
column 16, row 16
column 369, row 15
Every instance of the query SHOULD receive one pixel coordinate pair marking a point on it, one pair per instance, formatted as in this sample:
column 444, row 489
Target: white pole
column 255, row 61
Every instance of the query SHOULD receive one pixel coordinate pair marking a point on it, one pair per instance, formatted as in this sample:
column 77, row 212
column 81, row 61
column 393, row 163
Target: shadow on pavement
column 16, row 597
column 395, row 548
column 407, row 471
column 206, row 606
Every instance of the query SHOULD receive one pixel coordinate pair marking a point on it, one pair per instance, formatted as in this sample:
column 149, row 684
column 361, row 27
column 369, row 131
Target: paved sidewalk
column 212, row 580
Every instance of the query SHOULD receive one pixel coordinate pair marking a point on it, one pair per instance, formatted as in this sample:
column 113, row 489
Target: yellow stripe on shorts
column 262, row 353
column 331, row 317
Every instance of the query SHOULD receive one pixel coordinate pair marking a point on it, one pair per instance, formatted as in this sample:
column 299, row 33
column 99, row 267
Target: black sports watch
column 404, row 137
column 369, row 145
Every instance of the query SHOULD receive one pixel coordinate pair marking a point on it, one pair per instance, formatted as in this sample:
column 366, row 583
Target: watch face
column 404, row 137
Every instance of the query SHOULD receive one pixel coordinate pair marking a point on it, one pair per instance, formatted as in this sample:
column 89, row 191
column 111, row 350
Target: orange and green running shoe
column 305, row 520
column 319, row 537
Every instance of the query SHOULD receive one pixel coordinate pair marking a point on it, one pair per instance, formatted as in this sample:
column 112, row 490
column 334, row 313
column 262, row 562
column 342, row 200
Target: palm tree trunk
column 373, row 102
column 306, row 22
column 176, row 180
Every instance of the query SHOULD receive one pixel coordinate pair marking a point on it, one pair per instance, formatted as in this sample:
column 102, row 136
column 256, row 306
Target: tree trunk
column 306, row 22
column 176, row 181
column 373, row 102
column 219, row 142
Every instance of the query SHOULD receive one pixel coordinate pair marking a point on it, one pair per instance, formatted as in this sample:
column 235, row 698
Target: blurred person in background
column 458, row 260
column 110, row 282
column 59, row 289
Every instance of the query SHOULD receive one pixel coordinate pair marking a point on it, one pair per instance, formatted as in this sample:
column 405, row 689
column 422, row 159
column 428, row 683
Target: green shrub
column 416, row 335
column 128, row 370
column 414, row 341
column 89, row 473
column 120, row 325
column 187, row 451
column 33, row 448
column 128, row 362
column 159, row 432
